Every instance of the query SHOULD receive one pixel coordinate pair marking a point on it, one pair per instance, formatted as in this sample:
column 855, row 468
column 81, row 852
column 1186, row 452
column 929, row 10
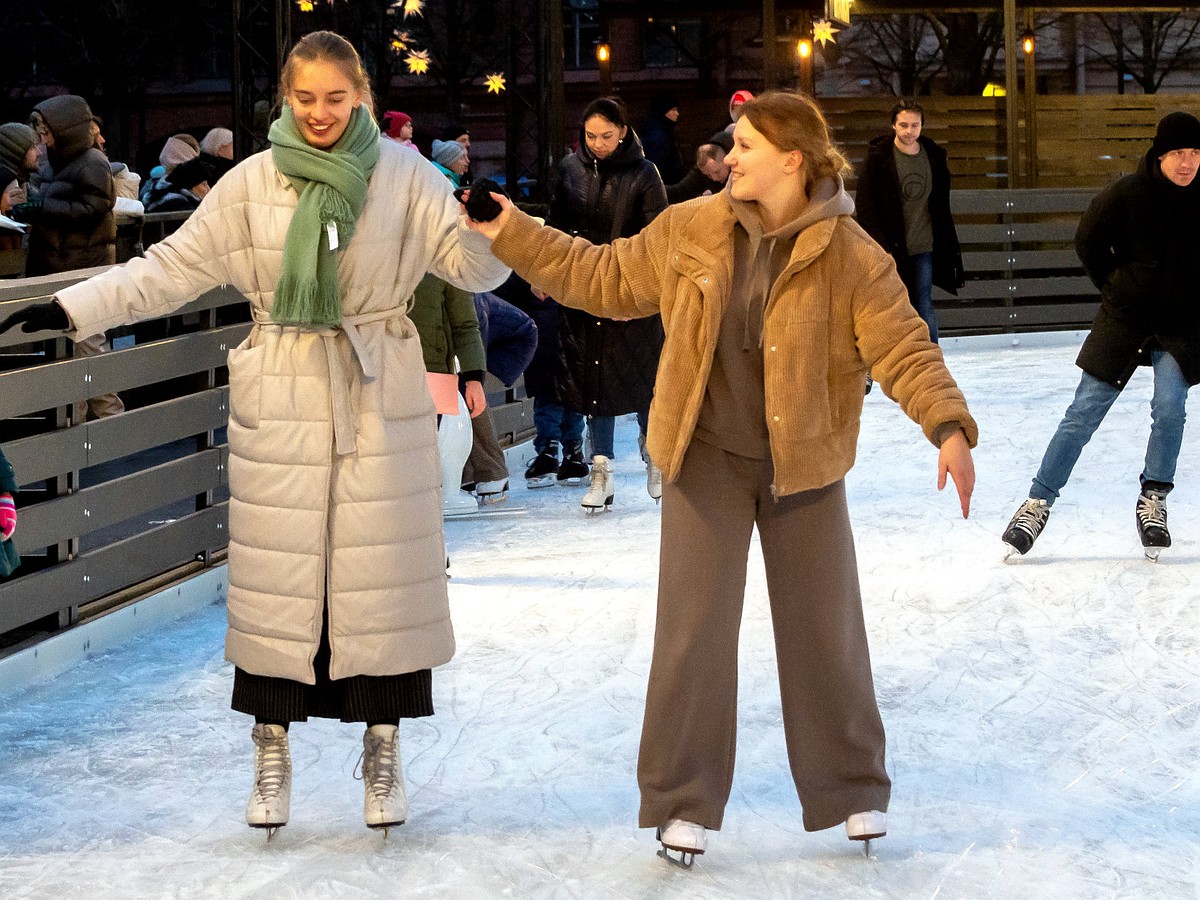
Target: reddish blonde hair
column 793, row 121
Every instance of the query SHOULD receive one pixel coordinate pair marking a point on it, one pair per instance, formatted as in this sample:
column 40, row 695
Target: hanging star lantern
column 824, row 31
column 417, row 62
column 413, row 7
column 305, row 5
column 495, row 83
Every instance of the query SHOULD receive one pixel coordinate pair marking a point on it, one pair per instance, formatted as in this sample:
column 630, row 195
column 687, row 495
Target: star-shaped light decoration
column 413, row 7
column 417, row 62
column 400, row 41
column 495, row 83
column 305, row 5
column 824, row 31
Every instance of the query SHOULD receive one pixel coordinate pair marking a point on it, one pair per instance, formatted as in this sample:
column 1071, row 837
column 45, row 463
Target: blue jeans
column 1093, row 398
column 600, row 433
column 920, row 292
column 553, row 422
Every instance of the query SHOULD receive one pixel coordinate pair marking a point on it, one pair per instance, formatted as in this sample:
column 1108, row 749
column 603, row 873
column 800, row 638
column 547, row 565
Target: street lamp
column 1027, row 41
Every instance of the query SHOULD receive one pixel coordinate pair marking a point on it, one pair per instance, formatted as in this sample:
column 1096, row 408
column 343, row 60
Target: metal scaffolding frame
column 534, row 105
column 262, row 36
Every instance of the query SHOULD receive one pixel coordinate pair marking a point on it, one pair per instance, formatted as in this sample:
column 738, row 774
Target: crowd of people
column 711, row 302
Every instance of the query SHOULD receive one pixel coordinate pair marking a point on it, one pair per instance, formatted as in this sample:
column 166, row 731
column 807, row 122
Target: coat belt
column 367, row 344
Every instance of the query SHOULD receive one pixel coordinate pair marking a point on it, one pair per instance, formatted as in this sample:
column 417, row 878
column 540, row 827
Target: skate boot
column 654, row 481
column 543, row 471
column 490, row 492
column 1151, row 515
column 865, row 826
column 271, row 797
column 653, row 473
column 687, row 839
column 599, row 495
column 573, row 469
column 385, row 803
column 1025, row 526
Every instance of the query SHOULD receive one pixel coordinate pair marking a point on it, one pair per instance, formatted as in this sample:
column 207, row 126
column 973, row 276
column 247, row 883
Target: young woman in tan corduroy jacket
column 775, row 305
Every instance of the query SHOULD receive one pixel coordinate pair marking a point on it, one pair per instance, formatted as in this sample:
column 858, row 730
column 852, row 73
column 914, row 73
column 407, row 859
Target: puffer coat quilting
column 334, row 476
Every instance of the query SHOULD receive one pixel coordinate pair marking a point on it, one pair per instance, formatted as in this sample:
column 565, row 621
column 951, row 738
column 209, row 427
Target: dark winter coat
column 509, row 336
column 545, row 368
column 161, row 195
column 608, row 367
column 9, row 559
column 445, row 319
column 880, row 211
column 657, row 135
column 75, row 228
column 1138, row 242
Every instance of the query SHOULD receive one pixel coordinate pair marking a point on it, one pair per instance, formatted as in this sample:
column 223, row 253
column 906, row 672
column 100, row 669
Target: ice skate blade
column 1152, row 553
column 540, row 482
column 384, row 826
column 270, row 829
column 684, row 860
column 1011, row 552
column 571, row 482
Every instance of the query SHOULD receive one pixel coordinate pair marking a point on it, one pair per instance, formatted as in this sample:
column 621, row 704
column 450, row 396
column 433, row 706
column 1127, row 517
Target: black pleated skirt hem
column 360, row 698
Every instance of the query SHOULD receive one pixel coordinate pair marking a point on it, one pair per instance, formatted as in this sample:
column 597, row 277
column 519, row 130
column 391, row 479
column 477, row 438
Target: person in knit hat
column 451, row 159
column 18, row 157
column 397, row 126
column 175, row 151
column 736, row 102
column 216, row 152
column 1137, row 241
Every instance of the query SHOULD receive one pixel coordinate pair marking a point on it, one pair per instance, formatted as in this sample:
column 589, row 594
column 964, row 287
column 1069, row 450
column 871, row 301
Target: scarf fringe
column 299, row 301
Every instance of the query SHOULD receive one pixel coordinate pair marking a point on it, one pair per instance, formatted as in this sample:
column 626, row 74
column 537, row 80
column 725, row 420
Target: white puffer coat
column 334, row 474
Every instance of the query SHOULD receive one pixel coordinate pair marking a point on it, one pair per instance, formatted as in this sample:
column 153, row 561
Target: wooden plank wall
column 1084, row 141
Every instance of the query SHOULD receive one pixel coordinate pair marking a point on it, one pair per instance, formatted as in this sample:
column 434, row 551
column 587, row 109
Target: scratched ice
column 1041, row 715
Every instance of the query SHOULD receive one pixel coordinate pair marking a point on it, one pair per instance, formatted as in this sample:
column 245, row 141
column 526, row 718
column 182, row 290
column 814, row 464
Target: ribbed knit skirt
column 360, row 698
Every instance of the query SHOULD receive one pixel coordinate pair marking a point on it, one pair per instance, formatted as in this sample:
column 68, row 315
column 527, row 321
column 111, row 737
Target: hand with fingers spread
column 38, row 317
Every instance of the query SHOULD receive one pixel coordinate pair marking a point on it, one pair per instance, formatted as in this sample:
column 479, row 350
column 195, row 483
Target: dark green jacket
column 8, row 485
column 445, row 319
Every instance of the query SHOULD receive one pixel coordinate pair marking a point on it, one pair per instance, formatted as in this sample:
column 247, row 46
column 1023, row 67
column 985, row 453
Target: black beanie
column 1176, row 131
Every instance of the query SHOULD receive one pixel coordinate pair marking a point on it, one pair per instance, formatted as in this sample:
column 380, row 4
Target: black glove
column 27, row 211
column 480, row 205
column 38, row 317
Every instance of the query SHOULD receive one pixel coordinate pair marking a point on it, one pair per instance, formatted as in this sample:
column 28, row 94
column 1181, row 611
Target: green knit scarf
column 332, row 185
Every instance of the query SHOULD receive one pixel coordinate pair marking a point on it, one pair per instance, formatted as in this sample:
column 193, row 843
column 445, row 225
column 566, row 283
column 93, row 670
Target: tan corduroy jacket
column 837, row 310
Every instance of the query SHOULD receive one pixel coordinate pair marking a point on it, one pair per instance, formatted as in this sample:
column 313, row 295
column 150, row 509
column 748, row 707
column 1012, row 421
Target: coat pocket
column 404, row 392
column 245, row 384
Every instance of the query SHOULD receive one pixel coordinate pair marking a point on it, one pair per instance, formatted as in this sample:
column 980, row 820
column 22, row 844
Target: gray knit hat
column 447, row 153
column 15, row 140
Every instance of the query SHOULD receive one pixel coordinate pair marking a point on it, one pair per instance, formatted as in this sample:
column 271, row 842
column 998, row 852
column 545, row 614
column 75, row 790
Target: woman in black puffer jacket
column 608, row 190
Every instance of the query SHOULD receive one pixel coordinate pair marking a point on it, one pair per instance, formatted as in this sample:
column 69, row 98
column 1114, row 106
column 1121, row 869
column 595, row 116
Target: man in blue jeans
column 1138, row 242
column 903, row 202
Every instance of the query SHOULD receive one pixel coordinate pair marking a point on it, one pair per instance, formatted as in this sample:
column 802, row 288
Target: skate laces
column 1031, row 517
column 377, row 763
column 272, row 762
column 1152, row 510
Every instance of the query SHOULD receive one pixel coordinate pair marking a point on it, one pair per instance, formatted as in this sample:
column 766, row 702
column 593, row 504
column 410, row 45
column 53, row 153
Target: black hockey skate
column 543, row 471
column 573, row 469
column 1151, row 516
column 1025, row 526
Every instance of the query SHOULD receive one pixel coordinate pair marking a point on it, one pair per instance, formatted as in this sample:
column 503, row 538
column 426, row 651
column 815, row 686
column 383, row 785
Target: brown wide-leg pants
column 831, row 722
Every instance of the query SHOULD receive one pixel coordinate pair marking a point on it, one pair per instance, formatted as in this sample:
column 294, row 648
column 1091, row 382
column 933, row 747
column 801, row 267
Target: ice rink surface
column 1041, row 714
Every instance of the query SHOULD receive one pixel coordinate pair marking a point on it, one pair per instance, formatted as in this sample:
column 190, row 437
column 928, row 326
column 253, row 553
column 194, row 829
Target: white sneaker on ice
column 865, row 826
column 271, row 797
column 384, row 801
column 687, row 839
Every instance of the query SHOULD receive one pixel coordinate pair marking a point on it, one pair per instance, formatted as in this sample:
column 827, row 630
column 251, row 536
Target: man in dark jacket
column 903, row 202
column 72, row 217
column 1137, row 242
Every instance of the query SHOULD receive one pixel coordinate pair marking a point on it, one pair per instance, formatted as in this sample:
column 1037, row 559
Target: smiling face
column 322, row 98
column 603, row 136
column 757, row 168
